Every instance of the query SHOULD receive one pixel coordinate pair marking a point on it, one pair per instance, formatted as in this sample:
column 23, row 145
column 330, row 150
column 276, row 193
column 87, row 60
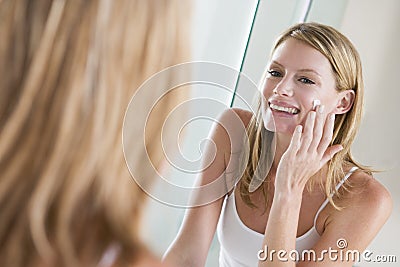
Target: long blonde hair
column 68, row 71
column 346, row 65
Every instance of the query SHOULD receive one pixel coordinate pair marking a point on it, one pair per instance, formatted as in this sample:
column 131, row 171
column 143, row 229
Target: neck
column 282, row 144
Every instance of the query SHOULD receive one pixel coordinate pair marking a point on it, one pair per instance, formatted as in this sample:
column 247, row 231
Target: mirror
column 239, row 34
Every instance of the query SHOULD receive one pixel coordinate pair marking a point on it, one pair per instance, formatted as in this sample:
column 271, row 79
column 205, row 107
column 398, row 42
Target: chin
column 282, row 129
column 285, row 129
column 277, row 126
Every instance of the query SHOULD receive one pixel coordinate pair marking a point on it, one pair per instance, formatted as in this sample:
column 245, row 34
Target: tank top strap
column 345, row 178
column 323, row 205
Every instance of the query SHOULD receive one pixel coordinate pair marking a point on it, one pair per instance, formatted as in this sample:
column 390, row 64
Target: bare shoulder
column 367, row 200
column 244, row 115
column 230, row 128
column 370, row 193
column 366, row 206
column 235, row 115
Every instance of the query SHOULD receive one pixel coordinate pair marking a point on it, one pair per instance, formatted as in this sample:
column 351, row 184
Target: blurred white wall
column 219, row 34
column 373, row 26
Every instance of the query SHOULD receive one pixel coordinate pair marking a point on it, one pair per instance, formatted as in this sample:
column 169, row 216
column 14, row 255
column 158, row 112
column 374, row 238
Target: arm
column 307, row 153
column 192, row 243
column 190, row 247
column 356, row 225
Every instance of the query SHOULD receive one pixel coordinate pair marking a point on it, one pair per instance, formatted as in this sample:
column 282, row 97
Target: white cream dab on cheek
column 316, row 103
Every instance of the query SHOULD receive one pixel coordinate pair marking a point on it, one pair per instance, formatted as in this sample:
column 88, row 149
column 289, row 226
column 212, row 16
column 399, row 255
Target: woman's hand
column 307, row 153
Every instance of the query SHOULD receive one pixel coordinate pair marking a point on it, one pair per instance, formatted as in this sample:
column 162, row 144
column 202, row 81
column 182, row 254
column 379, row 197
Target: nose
column 284, row 87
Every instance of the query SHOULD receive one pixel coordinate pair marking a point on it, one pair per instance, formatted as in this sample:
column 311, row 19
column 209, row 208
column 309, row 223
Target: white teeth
column 285, row 109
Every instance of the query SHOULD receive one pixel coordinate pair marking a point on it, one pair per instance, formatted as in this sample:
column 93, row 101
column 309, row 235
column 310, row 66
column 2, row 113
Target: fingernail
column 299, row 128
column 312, row 115
column 332, row 116
column 321, row 109
column 316, row 103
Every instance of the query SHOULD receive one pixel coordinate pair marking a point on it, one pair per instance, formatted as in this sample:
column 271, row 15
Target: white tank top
column 239, row 245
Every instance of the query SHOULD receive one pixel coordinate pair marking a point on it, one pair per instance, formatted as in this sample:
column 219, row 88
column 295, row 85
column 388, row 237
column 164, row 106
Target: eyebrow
column 301, row 70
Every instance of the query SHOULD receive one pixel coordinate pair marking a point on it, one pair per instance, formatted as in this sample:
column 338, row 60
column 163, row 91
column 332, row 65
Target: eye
column 274, row 73
column 306, row 80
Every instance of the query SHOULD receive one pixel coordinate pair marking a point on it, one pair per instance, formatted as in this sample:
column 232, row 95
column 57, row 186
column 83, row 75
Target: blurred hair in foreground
column 69, row 69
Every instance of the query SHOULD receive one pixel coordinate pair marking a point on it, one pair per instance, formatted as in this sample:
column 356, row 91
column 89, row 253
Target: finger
column 295, row 141
column 330, row 152
column 318, row 127
column 327, row 134
column 307, row 136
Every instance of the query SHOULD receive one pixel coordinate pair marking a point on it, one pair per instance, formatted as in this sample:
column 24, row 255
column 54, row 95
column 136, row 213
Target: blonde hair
column 68, row 71
column 346, row 66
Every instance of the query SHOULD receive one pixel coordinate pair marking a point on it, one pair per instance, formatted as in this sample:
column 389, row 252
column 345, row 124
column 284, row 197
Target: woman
column 69, row 69
column 312, row 195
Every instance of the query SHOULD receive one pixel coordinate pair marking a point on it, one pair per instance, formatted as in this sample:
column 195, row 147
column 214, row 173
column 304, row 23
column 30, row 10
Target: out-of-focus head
column 69, row 69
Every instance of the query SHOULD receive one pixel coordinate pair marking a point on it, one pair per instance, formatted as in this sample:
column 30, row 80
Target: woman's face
column 297, row 75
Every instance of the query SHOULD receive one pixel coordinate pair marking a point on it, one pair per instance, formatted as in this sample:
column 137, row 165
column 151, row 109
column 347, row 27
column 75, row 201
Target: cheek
column 268, row 119
column 330, row 103
column 307, row 99
column 267, row 89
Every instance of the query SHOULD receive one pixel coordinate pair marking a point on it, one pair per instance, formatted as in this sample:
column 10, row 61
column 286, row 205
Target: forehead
column 294, row 54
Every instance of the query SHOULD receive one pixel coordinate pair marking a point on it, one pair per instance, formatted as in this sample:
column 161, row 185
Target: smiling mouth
column 292, row 111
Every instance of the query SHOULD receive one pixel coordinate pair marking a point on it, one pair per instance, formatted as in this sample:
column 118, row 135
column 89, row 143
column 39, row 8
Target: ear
column 345, row 101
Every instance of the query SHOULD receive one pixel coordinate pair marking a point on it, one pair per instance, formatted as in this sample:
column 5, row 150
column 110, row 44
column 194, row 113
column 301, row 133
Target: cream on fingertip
column 316, row 103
